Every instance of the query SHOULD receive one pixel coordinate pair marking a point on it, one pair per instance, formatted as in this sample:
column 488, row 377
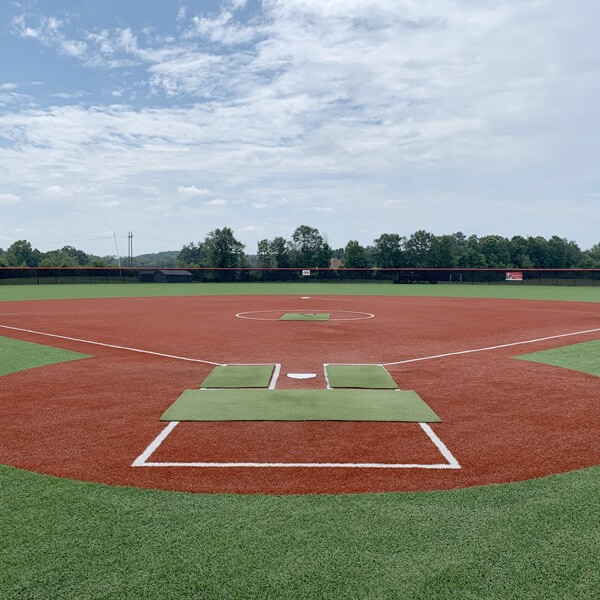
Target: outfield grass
column 115, row 290
column 584, row 357
column 16, row 355
column 67, row 539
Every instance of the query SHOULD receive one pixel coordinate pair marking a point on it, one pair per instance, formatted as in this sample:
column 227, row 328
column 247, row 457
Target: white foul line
column 452, row 462
column 550, row 337
column 64, row 337
column 140, row 461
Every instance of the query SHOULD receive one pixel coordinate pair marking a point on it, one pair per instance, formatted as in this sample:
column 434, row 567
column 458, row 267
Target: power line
column 109, row 237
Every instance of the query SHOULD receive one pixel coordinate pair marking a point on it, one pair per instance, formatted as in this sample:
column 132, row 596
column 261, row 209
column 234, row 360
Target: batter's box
column 314, row 444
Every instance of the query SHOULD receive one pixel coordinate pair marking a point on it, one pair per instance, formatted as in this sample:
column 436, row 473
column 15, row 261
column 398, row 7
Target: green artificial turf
column 16, row 355
column 359, row 376
column 299, row 405
column 66, row 539
column 124, row 290
column 584, row 357
column 305, row 317
column 239, row 376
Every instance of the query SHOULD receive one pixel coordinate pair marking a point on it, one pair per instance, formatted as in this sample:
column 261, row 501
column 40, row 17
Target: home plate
column 301, row 375
column 305, row 298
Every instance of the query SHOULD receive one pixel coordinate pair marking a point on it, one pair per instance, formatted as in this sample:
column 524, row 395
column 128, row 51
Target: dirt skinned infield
column 502, row 419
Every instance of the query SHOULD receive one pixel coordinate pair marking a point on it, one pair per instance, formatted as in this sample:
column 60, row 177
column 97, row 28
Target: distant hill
column 167, row 258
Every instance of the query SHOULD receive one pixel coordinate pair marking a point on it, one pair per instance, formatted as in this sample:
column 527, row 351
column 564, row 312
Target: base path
column 502, row 419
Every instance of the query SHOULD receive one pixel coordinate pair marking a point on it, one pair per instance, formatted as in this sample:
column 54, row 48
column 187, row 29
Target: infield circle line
column 369, row 315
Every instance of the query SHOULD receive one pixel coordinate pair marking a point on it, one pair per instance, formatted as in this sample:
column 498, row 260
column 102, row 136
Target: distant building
column 335, row 263
column 166, row 276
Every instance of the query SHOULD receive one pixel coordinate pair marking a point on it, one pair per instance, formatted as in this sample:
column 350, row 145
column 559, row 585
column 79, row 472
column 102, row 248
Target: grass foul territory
column 372, row 377
column 300, row 405
column 239, row 376
column 305, row 317
column 16, row 355
column 584, row 357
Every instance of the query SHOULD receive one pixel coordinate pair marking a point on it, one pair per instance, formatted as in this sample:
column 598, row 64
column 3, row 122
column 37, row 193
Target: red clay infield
column 502, row 419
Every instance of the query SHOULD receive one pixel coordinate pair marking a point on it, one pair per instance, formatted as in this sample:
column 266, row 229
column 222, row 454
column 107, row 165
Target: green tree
column 518, row 248
column 496, row 250
column 417, row 248
column 538, row 251
column 590, row 259
column 280, row 252
column 355, row 256
column 388, row 251
column 264, row 254
column 223, row 250
column 443, row 252
column 58, row 258
column 562, row 254
column 80, row 257
column 191, row 255
column 310, row 247
column 471, row 256
column 67, row 256
column 323, row 256
column 21, row 254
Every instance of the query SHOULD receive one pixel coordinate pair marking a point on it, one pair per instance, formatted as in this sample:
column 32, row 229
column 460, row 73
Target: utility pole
column 130, row 248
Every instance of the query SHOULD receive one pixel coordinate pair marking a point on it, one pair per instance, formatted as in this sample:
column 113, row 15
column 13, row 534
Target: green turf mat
column 305, row 317
column 239, row 376
column 359, row 376
column 16, row 355
column 299, row 405
column 584, row 357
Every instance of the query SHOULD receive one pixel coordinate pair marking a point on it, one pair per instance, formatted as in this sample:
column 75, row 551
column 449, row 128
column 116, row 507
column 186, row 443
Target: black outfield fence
column 402, row 276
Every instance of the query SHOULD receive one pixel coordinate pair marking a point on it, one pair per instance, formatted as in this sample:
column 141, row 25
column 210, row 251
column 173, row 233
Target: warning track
column 503, row 419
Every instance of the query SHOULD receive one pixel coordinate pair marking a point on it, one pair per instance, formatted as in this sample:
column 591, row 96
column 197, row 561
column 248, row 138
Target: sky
column 357, row 117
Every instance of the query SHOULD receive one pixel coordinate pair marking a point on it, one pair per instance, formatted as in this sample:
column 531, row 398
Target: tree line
column 308, row 248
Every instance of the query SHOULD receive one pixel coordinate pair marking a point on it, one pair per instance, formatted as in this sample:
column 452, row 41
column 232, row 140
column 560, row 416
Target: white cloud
column 313, row 105
column 9, row 199
column 192, row 190
column 110, row 204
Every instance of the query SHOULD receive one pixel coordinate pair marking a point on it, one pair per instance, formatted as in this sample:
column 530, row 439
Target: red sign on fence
column 514, row 276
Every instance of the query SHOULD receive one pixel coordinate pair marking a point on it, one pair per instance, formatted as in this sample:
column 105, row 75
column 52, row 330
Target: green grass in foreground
column 66, row 539
column 116, row 290
column 584, row 357
column 16, row 355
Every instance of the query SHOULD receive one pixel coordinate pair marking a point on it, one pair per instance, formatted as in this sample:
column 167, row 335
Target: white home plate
column 305, row 298
column 301, row 375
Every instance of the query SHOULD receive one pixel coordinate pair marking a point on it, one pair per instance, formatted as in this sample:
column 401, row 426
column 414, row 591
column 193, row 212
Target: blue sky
column 357, row 117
